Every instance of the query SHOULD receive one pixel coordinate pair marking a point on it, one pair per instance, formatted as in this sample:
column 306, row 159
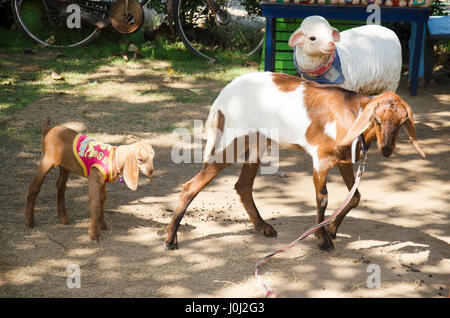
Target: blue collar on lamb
column 330, row 75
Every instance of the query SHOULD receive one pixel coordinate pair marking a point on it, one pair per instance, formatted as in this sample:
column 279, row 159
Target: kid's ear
column 131, row 173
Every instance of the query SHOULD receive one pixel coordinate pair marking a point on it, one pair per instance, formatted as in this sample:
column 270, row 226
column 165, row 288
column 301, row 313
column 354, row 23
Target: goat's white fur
column 253, row 103
column 330, row 129
column 371, row 55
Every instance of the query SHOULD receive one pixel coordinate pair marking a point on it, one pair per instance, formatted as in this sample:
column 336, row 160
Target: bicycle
column 206, row 27
column 73, row 23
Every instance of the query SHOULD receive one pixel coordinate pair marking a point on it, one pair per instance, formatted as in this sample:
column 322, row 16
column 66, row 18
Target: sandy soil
column 401, row 225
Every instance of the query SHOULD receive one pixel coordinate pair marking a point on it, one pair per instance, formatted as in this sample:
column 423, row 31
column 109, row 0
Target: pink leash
column 268, row 292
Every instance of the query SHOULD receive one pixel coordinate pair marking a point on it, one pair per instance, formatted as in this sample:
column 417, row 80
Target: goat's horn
column 410, row 129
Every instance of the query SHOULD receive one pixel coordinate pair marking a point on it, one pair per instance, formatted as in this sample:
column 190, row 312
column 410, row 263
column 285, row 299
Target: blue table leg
column 428, row 58
column 269, row 63
column 416, row 59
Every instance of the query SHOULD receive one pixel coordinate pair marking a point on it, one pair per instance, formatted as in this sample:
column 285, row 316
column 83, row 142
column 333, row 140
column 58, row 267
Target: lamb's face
column 315, row 37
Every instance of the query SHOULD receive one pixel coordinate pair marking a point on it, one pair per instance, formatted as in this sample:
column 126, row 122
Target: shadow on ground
column 401, row 224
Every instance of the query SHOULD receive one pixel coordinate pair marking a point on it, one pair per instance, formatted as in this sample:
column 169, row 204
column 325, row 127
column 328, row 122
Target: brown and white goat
column 58, row 150
column 322, row 121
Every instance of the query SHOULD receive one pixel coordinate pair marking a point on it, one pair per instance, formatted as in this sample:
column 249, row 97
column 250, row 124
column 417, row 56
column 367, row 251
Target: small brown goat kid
column 59, row 149
column 322, row 121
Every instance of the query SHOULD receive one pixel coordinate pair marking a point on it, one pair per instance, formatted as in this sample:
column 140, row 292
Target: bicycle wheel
column 237, row 32
column 46, row 22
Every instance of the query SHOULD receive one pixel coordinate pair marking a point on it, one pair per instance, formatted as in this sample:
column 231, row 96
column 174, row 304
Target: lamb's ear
column 131, row 172
column 336, row 35
column 360, row 124
column 296, row 38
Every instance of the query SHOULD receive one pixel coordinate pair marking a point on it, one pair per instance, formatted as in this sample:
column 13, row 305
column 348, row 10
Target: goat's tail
column 45, row 127
column 214, row 123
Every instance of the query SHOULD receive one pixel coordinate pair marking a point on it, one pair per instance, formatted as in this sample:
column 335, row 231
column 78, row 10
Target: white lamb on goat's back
column 366, row 59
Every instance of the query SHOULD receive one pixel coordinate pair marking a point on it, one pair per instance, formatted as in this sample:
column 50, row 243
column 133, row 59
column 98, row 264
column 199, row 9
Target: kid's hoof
column 94, row 237
column 64, row 222
column 170, row 246
column 29, row 224
column 29, row 221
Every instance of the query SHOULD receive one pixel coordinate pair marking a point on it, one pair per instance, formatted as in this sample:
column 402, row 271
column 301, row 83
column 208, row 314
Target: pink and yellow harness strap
column 91, row 153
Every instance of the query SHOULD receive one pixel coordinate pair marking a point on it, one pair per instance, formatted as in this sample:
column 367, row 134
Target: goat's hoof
column 332, row 234
column 64, row 222
column 332, row 231
column 170, row 246
column 29, row 224
column 326, row 245
column 94, row 237
column 269, row 231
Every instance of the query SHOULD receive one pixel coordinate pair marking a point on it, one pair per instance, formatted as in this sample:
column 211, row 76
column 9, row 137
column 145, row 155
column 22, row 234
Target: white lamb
column 370, row 56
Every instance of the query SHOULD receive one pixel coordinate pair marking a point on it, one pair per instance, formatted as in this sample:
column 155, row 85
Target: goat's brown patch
column 220, row 125
column 286, row 83
column 325, row 106
column 220, row 121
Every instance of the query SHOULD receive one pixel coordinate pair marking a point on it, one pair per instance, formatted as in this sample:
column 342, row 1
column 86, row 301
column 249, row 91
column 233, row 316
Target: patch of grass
column 27, row 137
column 188, row 97
column 169, row 128
column 146, row 101
column 14, row 97
column 139, row 109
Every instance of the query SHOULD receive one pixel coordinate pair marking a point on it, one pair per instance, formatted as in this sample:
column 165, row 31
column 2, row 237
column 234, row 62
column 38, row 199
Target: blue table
column 438, row 29
column 271, row 11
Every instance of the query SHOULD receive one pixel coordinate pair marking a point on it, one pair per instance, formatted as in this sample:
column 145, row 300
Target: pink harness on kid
column 91, row 153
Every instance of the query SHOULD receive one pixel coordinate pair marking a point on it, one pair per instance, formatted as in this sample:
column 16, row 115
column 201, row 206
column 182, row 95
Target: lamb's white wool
column 370, row 55
column 252, row 103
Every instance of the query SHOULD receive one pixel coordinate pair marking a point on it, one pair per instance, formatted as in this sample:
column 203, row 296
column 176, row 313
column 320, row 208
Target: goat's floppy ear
column 410, row 129
column 360, row 124
column 336, row 35
column 131, row 172
column 298, row 37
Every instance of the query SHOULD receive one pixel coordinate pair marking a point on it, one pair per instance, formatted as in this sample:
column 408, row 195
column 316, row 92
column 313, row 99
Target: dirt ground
column 401, row 225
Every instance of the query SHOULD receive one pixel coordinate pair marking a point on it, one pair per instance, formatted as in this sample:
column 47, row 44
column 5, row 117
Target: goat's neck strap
column 360, row 138
column 116, row 155
column 354, row 144
column 364, row 147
